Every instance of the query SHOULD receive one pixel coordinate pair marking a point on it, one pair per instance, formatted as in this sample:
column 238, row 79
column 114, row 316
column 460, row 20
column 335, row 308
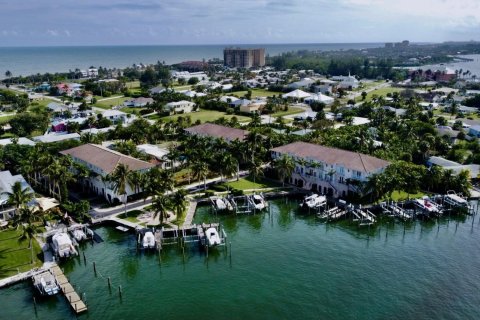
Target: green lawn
column 5, row 119
column 256, row 93
column 15, row 255
column 131, row 215
column 108, row 104
column 402, row 195
column 247, row 184
column 133, row 84
column 291, row 110
column 380, row 92
column 204, row 116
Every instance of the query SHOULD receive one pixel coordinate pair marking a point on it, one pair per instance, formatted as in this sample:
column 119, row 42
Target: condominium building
column 244, row 58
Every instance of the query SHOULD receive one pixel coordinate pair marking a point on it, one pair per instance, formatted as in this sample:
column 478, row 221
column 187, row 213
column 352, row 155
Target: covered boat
column 213, row 237
column 45, row 283
column 148, row 240
column 259, row 202
column 62, row 245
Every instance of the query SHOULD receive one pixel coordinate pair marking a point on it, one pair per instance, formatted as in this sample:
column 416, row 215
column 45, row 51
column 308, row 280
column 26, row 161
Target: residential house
column 347, row 82
column 101, row 162
column 7, row 180
column 182, row 106
column 318, row 97
column 296, row 95
column 115, row 115
column 455, row 167
column 138, row 102
column 217, row 131
column 305, row 83
column 20, row 141
column 328, row 170
column 474, row 131
column 158, row 155
column 51, row 138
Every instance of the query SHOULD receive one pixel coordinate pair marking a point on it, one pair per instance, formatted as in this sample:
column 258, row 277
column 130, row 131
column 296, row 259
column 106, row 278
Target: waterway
column 282, row 265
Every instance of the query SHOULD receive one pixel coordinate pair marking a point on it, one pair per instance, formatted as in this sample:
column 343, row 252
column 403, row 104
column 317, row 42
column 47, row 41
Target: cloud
column 53, row 33
column 236, row 21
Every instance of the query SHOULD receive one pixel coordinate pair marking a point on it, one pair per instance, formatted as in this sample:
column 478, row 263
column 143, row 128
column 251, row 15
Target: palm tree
column 284, row 166
column 28, row 232
column 8, row 74
column 19, row 196
column 121, row 179
column 200, row 171
column 256, row 169
column 178, row 202
column 160, row 206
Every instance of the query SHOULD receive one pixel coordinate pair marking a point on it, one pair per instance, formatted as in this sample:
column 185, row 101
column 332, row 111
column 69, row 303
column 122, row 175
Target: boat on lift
column 213, row 237
column 314, row 201
column 148, row 241
column 259, row 202
column 63, row 246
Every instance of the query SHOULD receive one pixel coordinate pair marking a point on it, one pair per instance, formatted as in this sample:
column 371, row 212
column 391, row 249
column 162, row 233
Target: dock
column 68, row 291
column 191, row 212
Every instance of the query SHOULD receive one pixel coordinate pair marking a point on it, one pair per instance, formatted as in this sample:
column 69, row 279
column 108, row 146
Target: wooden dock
column 73, row 298
column 191, row 212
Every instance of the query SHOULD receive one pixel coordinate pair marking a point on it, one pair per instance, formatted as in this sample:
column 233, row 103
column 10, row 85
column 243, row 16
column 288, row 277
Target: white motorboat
column 259, row 202
column 45, row 283
column 314, row 201
column 79, row 235
column 213, row 237
column 148, row 240
column 220, row 204
column 62, row 245
column 427, row 205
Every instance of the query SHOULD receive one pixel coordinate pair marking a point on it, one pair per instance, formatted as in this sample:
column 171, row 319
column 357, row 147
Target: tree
column 284, row 166
column 121, row 179
column 200, row 171
column 19, row 196
column 160, row 206
column 28, row 233
column 364, row 95
column 178, row 202
column 193, row 81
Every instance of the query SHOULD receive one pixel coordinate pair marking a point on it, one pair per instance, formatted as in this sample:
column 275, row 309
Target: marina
column 322, row 261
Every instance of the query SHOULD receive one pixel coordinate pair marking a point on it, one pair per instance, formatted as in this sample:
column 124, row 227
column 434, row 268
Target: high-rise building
column 244, row 58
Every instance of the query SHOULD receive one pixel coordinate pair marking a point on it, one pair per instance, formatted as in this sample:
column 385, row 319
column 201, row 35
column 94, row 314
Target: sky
column 168, row 22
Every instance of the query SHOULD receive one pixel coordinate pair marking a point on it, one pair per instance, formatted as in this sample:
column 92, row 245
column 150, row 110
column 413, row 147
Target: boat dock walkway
column 73, row 298
column 190, row 214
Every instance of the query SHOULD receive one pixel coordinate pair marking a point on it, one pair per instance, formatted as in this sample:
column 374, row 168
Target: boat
column 259, row 202
column 213, row 238
column 455, row 200
column 220, row 204
column 314, row 201
column 148, row 240
column 62, row 245
column 427, row 205
column 45, row 283
column 79, row 235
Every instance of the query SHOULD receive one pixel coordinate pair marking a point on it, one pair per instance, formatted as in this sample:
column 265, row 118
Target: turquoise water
column 31, row 60
column 283, row 265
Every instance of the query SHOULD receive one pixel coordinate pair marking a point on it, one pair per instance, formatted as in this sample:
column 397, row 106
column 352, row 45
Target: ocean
column 32, row 60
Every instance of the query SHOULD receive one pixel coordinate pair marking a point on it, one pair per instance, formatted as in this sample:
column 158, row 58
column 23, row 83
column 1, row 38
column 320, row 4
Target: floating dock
column 69, row 292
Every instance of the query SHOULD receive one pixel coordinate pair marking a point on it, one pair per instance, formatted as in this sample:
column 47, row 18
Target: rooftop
column 217, row 131
column 352, row 160
column 104, row 158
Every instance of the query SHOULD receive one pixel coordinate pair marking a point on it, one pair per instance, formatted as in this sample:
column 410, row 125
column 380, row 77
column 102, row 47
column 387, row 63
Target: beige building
column 244, row 58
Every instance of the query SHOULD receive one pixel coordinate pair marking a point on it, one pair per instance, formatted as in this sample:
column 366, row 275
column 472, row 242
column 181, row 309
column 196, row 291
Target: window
column 341, row 180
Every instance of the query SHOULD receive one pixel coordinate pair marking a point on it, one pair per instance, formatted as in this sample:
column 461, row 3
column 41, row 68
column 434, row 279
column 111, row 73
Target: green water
column 283, row 265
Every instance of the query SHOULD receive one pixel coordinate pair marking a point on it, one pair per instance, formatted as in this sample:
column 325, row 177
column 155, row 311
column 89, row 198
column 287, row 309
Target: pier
column 67, row 289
